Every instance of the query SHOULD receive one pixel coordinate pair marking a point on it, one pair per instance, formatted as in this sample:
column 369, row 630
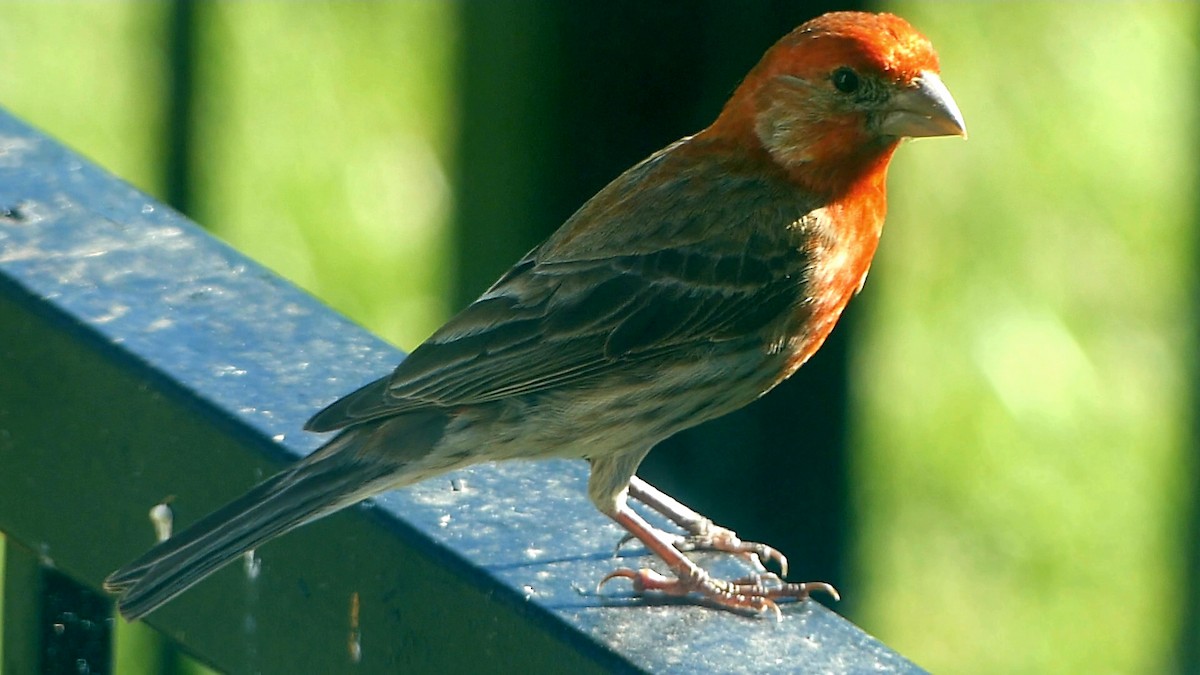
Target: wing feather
column 580, row 307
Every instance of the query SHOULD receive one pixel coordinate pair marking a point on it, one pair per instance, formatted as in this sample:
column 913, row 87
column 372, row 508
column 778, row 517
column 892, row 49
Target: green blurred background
column 1008, row 483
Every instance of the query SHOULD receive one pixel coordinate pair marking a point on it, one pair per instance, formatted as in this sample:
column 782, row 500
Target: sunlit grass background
column 1022, row 376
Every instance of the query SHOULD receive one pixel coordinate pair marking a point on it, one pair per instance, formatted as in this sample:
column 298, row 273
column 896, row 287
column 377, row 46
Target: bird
column 689, row 286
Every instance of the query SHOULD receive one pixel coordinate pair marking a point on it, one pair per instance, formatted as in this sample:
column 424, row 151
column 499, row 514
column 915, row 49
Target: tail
column 332, row 478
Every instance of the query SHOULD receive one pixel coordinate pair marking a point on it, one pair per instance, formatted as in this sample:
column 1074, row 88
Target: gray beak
column 925, row 108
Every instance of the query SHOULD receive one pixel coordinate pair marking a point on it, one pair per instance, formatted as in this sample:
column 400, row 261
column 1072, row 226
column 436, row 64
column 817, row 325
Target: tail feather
column 325, row 482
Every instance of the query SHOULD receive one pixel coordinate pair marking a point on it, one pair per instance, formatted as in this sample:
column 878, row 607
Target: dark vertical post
column 76, row 627
column 557, row 100
column 177, row 141
column 52, row 624
column 177, row 165
column 1188, row 638
column 507, row 82
column 1187, row 646
column 19, row 634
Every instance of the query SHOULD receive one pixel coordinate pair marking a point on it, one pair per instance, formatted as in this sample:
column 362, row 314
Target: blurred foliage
column 319, row 139
column 92, row 74
column 321, row 131
column 1023, row 378
column 1022, row 372
column 320, row 145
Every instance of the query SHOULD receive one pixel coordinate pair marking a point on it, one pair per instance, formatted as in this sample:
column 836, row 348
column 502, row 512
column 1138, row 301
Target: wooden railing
column 143, row 362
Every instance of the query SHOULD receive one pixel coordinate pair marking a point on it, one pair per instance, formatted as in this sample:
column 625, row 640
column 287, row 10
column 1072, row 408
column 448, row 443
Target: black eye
column 845, row 80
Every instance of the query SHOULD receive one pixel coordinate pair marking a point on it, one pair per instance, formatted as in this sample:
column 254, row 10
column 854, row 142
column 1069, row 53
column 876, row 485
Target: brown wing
column 563, row 317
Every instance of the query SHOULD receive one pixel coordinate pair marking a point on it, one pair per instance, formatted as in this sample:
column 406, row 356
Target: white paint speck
column 252, row 564
column 163, row 520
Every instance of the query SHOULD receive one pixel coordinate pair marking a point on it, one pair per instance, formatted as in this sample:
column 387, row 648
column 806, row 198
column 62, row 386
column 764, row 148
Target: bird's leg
column 704, row 534
column 755, row 594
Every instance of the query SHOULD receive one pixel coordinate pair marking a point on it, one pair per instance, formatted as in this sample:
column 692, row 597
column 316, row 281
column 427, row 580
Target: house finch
column 688, row 287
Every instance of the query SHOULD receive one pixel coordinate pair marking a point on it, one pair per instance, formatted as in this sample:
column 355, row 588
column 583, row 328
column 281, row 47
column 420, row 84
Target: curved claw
column 758, row 593
column 624, row 540
column 646, row 579
column 622, row 573
column 722, row 540
column 755, row 595
column 726, row 541
column 804, row 589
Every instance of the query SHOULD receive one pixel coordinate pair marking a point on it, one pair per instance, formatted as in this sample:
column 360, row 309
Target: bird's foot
column 702, row 533
column 724, row 540
column 712, row 537
column 756, row 594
